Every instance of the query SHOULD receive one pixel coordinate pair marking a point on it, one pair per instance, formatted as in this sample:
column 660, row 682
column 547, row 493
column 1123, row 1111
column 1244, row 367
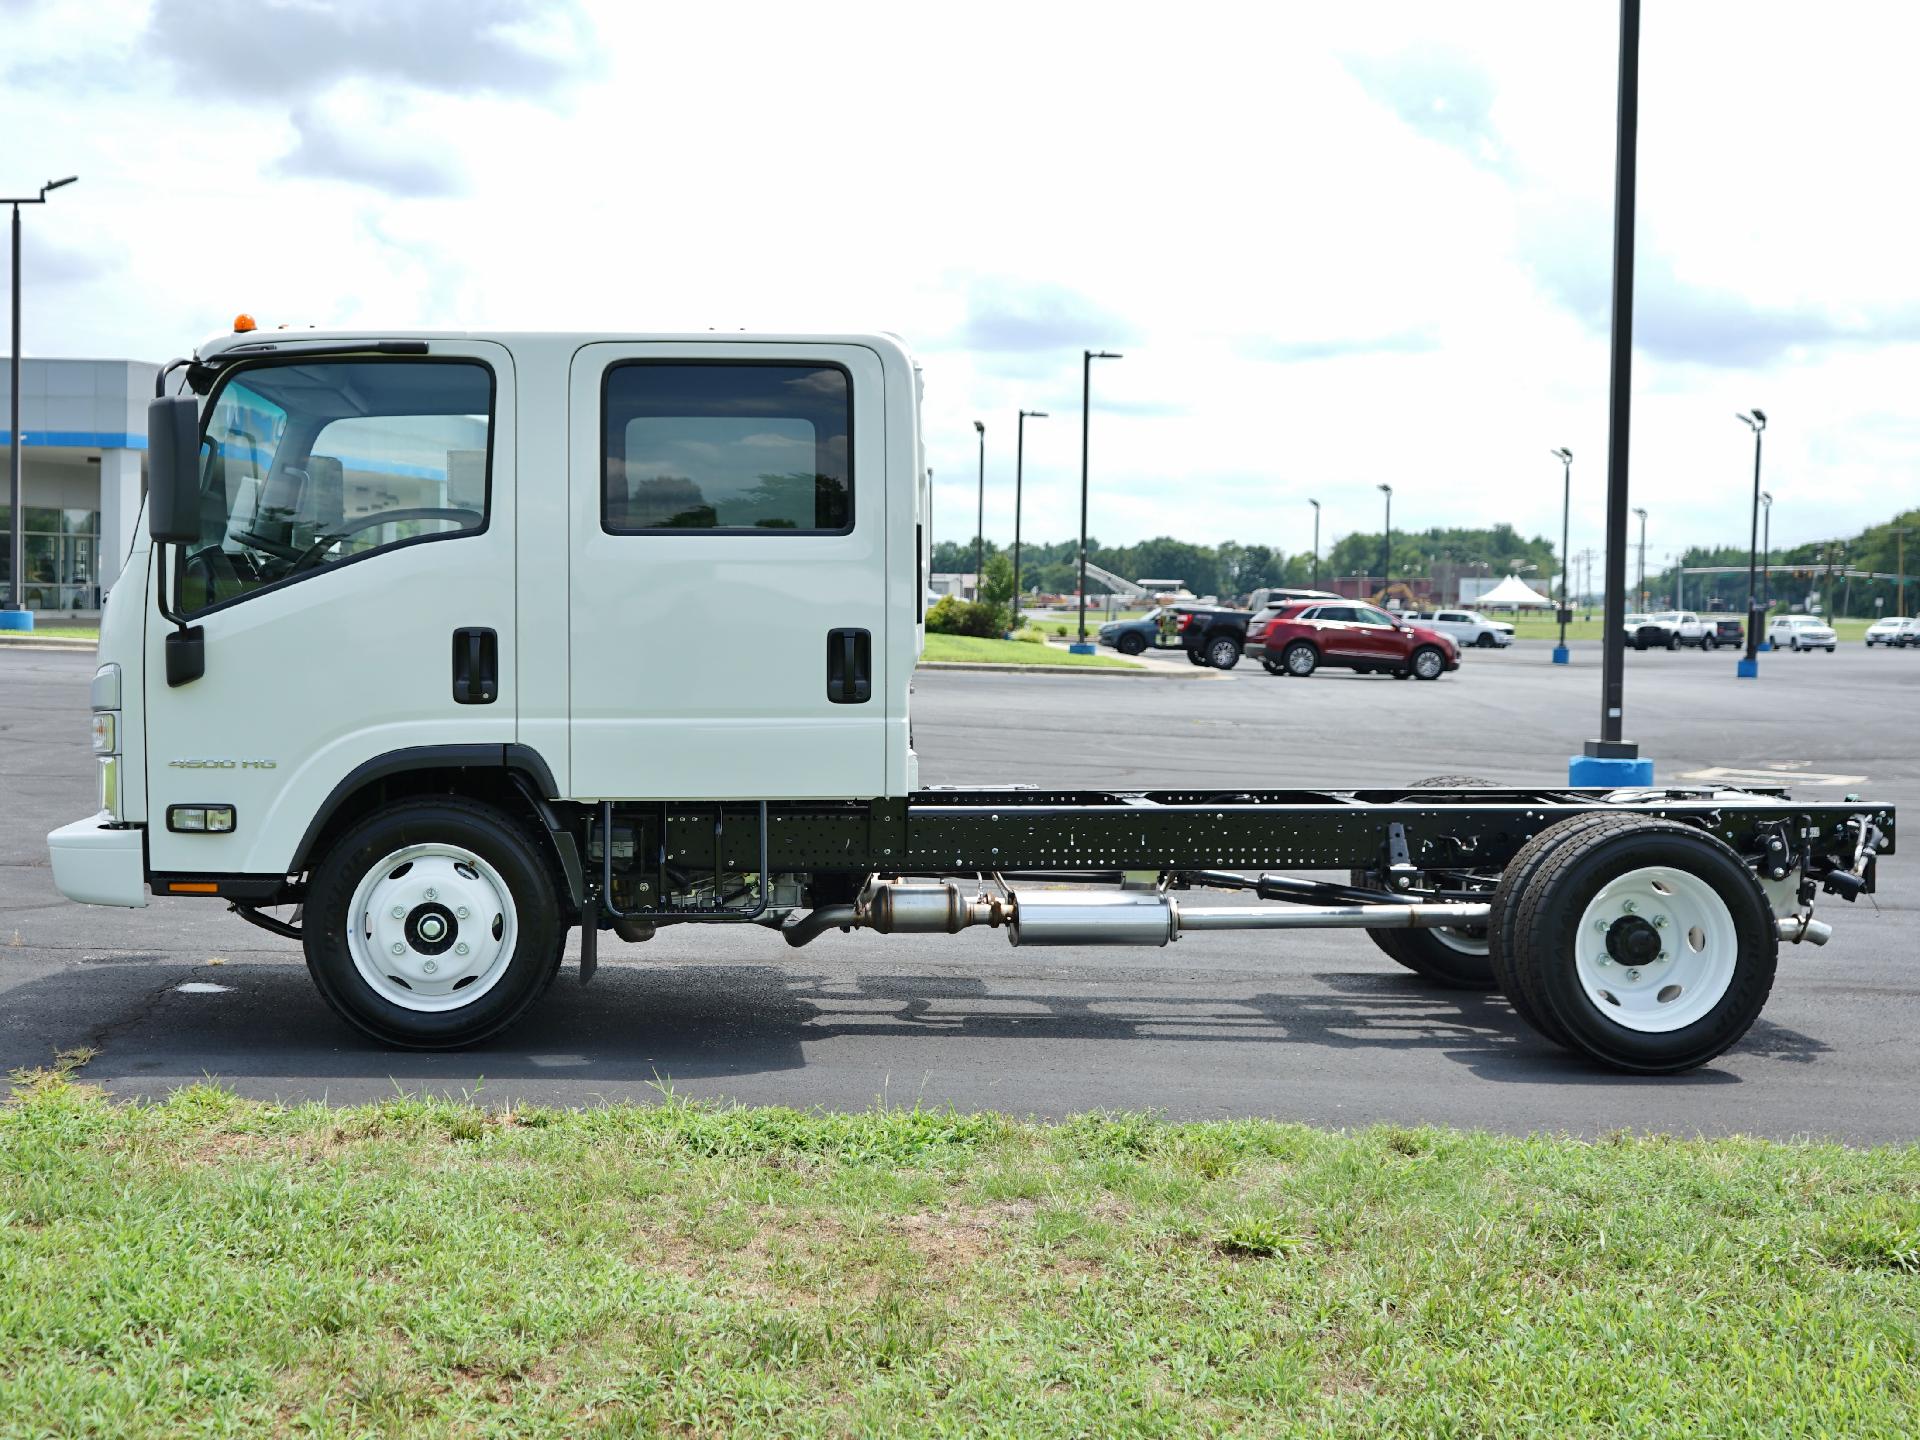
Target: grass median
column 975, row 650
column 209, row 1265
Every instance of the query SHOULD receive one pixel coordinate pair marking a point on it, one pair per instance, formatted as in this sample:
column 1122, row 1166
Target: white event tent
column 1512, row 591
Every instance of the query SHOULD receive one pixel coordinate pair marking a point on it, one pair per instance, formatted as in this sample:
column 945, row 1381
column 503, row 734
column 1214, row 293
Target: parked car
column 1894, row 630
column 1307, row 634
column 1130, row 637
column 1469, row 627
column 1727, row 630
column 1801, row 632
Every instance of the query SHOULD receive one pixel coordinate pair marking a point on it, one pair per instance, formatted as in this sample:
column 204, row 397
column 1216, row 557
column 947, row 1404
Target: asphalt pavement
column 1312, row 1026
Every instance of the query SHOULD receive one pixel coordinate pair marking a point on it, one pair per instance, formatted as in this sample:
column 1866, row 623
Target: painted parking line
column 1769, row 775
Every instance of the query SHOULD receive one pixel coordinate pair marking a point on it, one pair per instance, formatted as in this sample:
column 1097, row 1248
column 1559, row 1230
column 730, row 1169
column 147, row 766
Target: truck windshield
column 308, row 465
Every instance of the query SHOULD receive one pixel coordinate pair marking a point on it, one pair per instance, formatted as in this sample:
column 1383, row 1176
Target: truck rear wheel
column 1457, row 959
column 1223, row 652
column 1645, row 944
column 433, row 924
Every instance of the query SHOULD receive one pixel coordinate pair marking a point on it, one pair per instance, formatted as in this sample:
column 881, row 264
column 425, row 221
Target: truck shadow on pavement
column 638, row 1023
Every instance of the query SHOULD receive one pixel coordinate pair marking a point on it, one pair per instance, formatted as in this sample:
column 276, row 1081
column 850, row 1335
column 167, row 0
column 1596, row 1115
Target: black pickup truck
column 1215, row 634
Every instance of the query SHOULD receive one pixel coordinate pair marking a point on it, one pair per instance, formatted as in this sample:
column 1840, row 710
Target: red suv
column 1310, row 633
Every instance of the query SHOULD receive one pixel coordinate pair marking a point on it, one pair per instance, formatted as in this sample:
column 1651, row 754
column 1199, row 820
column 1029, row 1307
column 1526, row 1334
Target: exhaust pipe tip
column 1804, row 929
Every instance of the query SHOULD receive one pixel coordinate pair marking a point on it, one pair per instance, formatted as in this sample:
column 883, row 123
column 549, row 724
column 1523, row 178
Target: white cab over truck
column 439, row 645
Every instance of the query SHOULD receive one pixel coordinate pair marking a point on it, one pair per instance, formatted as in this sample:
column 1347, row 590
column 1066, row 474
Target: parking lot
column 1310, row 1026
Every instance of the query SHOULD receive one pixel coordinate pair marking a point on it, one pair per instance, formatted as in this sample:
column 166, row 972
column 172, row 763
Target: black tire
column 1272, row 666
column 1427, row 663
column 1300, row 658
column 1546, row 899
column 1486, row 641
column 1223, row 652
column 514, row 855
column 1401, row 674
column 1673, row 641
column 1131, row 643
column 1436, row 955
column 1194, row 657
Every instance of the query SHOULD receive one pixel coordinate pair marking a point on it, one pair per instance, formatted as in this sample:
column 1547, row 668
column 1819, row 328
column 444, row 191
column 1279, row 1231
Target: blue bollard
column 1560, row 655
column 16, row 620
column 1623, row 774
column 1080, row 648
column 1745, row 669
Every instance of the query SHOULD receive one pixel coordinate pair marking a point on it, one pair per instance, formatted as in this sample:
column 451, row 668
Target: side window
column 1343, row 613
column 1368, row 616
column 733, row 446
column 304, row 466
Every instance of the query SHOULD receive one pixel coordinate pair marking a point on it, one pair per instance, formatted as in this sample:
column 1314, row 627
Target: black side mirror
column 173, row 469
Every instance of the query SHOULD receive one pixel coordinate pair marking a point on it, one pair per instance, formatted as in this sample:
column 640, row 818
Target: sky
column 1337, row 246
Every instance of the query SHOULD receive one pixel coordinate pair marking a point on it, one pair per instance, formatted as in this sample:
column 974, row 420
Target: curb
column 991, row 667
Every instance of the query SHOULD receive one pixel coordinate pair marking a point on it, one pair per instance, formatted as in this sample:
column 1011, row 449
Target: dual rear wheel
column 1644, row 944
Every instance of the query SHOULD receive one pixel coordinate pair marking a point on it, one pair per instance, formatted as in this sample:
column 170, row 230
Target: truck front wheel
column 433, row 924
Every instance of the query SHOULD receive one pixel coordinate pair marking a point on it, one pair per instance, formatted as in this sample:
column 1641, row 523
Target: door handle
column 849, row 667
column 476, row 666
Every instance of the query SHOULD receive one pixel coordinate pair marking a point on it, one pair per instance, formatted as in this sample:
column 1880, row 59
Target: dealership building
column 83, row 434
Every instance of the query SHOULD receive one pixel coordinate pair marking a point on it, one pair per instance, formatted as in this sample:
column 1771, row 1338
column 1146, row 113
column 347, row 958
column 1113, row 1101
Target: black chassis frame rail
column 975, row 831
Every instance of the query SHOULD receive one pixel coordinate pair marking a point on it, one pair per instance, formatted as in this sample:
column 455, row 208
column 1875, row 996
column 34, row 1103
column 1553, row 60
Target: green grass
column 62, row 632
column 212, row 1266
column 1014, row 652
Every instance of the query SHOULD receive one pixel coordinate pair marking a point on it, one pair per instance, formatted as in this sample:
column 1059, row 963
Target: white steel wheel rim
column 1464, row 942
column 432, row 928
column 1699, row 941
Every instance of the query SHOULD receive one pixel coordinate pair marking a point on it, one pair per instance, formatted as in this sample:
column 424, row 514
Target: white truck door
column 728, row 568
column 357, row 515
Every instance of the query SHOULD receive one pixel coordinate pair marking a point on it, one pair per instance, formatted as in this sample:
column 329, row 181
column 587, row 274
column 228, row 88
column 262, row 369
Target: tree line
column 1231, row 568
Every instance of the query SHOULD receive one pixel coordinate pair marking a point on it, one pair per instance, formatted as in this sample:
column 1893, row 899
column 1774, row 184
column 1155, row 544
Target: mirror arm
column 160, row 380
column 167, row 612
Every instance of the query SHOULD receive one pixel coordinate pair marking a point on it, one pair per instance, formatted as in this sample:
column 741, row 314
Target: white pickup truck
column 438, row 646
column 1469, row 627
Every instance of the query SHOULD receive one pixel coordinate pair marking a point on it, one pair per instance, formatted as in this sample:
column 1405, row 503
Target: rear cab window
column 729, row 446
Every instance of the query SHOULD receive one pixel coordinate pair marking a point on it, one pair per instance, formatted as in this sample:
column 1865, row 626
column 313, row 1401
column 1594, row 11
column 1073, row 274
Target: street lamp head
column 978, row 426
column 1760, row 415
column 1641, row 513
column 1388, row 489
column 1034, row 414
column 1314, row 503
column 1565, row 455
column 1766, row 498
column 1105, row 355
column 56, row 184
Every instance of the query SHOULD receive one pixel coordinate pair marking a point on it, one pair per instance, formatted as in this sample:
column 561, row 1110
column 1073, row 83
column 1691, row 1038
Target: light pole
column 1386, row 545
column 1766, row 565
column 1087, row 357
column 1749, row 668
column 16, row 541
column 1640, row 590
column 1560, row 654
column 1316, row 542
column 1019, row 472
column 980, row 522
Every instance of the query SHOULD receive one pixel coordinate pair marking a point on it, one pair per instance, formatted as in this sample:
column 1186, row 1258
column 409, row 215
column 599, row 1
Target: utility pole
column 1561, row 656
column 1610, row 758
column 1640, row 595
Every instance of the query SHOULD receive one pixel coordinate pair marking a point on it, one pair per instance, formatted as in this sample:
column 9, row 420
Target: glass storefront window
column 62, row 558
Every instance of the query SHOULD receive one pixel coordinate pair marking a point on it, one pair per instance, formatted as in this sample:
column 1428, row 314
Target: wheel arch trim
column 511, row 759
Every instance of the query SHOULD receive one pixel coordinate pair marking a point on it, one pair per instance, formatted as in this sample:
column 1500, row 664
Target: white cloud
column 1337, row 245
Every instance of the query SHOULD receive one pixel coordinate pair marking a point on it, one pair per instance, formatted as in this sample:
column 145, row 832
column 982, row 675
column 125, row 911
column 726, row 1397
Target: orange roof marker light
column 242, row 324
